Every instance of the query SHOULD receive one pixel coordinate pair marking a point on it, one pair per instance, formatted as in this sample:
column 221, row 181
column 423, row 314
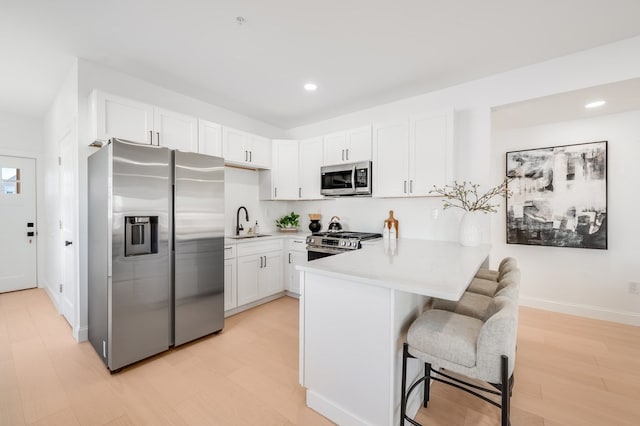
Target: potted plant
column 288, row 223
column 465, row 196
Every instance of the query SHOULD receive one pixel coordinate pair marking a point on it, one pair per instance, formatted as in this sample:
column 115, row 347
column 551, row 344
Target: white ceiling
column 619, row 97
column 359, row 52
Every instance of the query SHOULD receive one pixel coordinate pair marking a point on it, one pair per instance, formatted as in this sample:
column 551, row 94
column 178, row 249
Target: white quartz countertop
column 271, row 236
column 441, row 269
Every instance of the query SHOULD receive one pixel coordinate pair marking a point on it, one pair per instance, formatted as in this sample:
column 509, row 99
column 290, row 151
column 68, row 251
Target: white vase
column 470, row 229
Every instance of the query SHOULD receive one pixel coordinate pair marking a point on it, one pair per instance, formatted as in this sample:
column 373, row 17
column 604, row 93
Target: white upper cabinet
column 116, row 117
column 295, row 171
column 411, row 155
column 390, row 158
column 348, row 147
column 245, row 149
column 175, row 130
column 259, row 151
column 431, row 152
column 309, row 163
column 284, row 170
column 209, row 138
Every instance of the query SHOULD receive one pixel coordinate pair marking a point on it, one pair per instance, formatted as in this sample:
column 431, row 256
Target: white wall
column 61, row 118
column 23, row 136
column 582, row 281
column 241, row 188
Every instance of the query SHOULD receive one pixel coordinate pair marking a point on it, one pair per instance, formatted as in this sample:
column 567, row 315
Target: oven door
column 314, row 253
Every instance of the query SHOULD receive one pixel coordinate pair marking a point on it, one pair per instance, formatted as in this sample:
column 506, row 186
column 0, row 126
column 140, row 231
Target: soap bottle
column 393, row 232
column 256, row 229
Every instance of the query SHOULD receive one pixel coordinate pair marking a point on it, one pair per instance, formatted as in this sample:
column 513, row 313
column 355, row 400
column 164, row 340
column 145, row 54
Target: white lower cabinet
column 230, row 284
column 259, row 270
column 230, row 277
column 296, row 255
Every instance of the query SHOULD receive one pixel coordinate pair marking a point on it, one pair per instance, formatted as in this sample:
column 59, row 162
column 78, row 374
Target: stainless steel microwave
column 346, row 179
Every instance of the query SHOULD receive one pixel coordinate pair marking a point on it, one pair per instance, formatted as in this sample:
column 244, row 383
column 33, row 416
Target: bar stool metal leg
column 427, row 384
column 403, row 398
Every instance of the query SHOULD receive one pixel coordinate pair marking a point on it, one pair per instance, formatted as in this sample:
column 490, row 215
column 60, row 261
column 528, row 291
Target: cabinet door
column 259, row 151
column 335, row 148
column 271, row 279
column 295, row 258
column 230, row 284
column 116, row 117
column 309, row 163
column 175, row 131
column 391, row 159
column 431, row 152
column 358, row 147
column 285, row 170
column 249, row 268
column 209, row 138
column 233, row 145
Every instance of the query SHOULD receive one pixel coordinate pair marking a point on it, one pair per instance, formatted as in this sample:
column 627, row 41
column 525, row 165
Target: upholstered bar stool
column 452, row 343
column 490, row 287
column 477, row 305
column 505, row 265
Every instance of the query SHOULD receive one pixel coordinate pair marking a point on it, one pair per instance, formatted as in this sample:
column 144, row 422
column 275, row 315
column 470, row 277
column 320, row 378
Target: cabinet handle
column 260, row 262
column 343, row 155
column 405, row 187
column 151, row 137
column 289, row 257
column 265, row 261
column 251, row 156
column 411, row 186
column 245, row 156
column 275, row 192
column 299, row 192
column 347, row 154
column 158, row 134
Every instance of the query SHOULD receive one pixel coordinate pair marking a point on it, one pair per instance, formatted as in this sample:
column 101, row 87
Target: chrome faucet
column 238, row 226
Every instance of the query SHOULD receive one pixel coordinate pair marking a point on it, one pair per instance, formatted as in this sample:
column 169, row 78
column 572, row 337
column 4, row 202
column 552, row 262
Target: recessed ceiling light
column 595, row 104
column 310, row 87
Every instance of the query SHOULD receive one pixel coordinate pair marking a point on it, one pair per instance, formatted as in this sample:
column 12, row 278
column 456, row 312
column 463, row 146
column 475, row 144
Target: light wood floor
column 570, row 371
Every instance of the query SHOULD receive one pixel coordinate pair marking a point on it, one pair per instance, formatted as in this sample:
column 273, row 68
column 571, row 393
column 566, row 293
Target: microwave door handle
column 353, row 178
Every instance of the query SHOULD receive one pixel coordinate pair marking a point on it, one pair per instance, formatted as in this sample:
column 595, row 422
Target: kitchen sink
column 242, row 237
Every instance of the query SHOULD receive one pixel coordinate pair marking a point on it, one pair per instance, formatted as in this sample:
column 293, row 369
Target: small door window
column 10, row 182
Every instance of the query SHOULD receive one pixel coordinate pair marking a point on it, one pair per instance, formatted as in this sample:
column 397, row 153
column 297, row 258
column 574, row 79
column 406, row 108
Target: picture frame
column 558, row 196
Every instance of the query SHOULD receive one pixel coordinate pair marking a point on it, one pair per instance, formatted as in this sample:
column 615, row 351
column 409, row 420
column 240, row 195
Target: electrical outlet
column 634, row 287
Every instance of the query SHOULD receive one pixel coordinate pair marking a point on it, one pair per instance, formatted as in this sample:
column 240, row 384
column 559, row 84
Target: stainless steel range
column 323, row 244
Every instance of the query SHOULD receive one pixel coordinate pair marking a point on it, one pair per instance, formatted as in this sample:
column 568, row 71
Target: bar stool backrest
column 497, row 337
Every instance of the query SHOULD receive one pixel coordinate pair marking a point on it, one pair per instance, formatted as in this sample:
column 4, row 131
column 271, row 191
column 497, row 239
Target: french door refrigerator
column 156, row 250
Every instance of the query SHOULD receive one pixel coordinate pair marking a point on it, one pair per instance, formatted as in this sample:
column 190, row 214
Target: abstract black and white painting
column 559, row 196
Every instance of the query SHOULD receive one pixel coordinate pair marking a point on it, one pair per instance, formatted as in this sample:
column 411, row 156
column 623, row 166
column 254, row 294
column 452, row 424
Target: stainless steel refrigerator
column 156, row 250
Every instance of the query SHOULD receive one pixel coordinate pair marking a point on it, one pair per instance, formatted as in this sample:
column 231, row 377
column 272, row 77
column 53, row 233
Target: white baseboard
column 332, row 411
column 81, row 334
column 631, row 318
column 254, row 304
column 55, row 298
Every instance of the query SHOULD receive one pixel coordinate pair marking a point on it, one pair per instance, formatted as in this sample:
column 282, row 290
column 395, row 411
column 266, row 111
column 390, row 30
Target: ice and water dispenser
column 140, row 235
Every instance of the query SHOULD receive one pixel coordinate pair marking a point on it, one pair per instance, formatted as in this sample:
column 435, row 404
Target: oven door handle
column 330, row 250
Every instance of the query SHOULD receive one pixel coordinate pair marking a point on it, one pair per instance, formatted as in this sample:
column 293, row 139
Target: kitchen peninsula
column 355, row 310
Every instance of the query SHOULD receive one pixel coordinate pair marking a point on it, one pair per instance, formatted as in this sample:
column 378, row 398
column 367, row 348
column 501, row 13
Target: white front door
column 17, row 223
column 67, row 191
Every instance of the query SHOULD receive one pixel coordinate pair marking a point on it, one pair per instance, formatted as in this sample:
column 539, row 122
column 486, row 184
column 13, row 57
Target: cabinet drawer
column 298, row 244
column 229, row 251
column 248, row 249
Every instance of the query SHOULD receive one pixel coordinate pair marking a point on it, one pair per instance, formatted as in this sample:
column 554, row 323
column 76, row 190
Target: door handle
column 68, row 243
